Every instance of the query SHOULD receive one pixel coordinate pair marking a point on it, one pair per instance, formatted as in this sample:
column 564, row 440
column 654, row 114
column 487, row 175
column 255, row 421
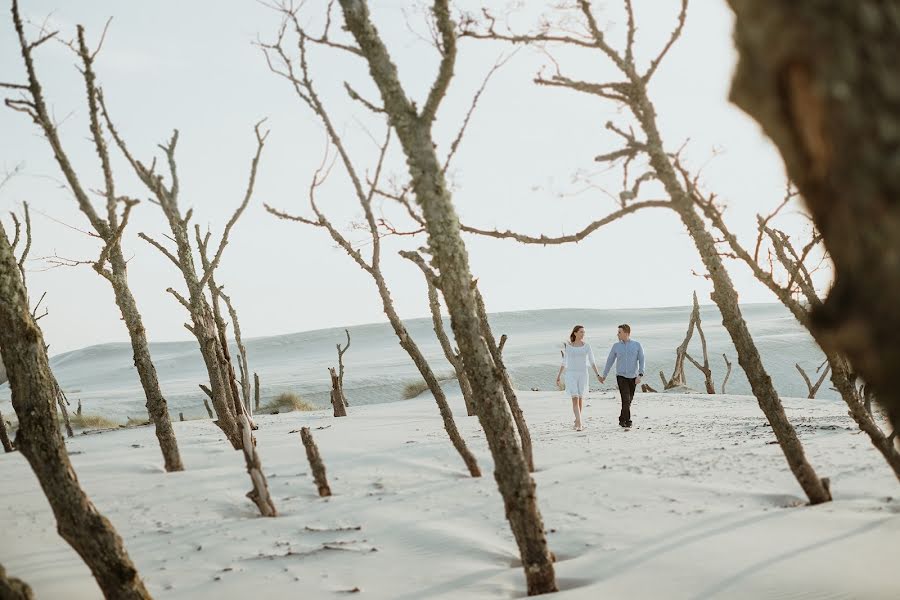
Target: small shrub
column 414, row 388
column 286, row 402
column 85, row 421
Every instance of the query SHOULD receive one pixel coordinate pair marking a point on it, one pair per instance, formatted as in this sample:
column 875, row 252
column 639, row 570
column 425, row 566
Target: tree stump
column 337, row 395
column 255, row 392
column 4, row 436
column 315, row 462
column 13, row 589
column 260, row 492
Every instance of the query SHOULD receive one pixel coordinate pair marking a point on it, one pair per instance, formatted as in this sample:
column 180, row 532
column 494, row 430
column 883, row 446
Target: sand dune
column 695, row 502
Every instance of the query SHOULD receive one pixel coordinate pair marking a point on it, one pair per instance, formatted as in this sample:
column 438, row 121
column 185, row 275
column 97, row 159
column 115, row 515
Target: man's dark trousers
column 626, row 389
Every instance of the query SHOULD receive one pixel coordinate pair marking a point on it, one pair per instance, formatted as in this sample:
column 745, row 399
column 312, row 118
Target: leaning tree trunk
column 726, row 298
column 821, row 78
column 437, row 322
column 450, row 256
column 412, row 349
column 34, row 400
column 509, row 392
column 156, row 404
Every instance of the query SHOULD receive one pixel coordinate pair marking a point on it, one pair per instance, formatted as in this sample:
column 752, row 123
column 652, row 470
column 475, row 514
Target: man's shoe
column 628, row 424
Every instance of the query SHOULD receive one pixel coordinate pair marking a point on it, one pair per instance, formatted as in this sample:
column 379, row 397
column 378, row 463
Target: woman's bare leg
column 576, row 408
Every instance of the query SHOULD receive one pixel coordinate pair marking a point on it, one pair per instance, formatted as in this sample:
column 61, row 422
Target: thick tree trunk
column 315, row 462
column 13, row 589
column 4, row 436
column 157, row 408
column 205, row 331
column 337, row 397
column 33, row 398
column 450, row 256
column 511, row 398
column 821, row 79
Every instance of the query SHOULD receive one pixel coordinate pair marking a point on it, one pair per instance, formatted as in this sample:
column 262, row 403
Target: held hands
column 602, row 379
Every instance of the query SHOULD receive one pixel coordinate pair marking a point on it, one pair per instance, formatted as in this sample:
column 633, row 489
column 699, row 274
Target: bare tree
column 34, row 400
column 814, row 387
column 820, row 80
column 306, row 91
column 255, row 391
column 341, row 352
column 111, row 264
column 12, row 588
column 206, row 325
column 785, row 271
column 681, row 354
column 260, row 492
column 413, row 126
column 451, row 354
column 643, row 145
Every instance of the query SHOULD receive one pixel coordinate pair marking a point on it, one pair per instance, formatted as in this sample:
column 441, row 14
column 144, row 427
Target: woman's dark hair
column 574, row 331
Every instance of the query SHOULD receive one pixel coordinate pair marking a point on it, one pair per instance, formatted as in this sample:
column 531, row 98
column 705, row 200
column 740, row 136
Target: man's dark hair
column 626, row 328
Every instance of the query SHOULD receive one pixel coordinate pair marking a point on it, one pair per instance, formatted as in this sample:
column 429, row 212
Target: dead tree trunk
column 681, row 353
column 413, row 127
column 645, row 140
column 242, row 350
column 260, row 492
column 303, row 87
column 820, row 80
column 255, row 392
column 813, row 388
column 437, row 321
column 727, row 373
column 13, row 589
column 511, row 399
column 109, row 229
column 62, row 401
column 341, row 352
column 337, row 396
column 4, row 436
column 34, row 400
column 315, row 462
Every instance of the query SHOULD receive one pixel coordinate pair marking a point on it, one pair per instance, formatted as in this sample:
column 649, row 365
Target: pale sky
column 192, row 66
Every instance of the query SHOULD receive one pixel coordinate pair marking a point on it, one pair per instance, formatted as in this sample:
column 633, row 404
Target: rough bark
column 437, row 321
column 413, row 127
column 315, row 462
column 8, row 446
column 337, row 396
column 109, row 230
column 511, row 399
column 260, row 492
column 13, row 589
column 821, row 80
column 90, row 534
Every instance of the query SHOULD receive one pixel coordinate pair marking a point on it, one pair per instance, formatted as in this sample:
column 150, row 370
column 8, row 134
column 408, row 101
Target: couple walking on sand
column 627, row 354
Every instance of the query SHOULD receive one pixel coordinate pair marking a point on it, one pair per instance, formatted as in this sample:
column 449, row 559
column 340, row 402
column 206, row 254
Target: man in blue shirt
column 629, row 358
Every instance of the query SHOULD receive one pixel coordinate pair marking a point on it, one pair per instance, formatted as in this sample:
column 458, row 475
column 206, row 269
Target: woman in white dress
column 577, row 354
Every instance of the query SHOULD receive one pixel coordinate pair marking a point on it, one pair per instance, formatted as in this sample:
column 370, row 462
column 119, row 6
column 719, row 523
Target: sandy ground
column 695, row 502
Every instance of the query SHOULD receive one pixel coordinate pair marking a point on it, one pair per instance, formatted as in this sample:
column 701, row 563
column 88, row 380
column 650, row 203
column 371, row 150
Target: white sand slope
column 695, row 502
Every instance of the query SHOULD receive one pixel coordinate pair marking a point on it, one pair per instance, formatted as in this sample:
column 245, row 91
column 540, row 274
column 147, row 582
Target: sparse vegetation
column 286, row 402
column 84, row 421
column 414, row 388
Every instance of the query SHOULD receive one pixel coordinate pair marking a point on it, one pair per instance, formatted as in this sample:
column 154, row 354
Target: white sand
column 694, row 502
